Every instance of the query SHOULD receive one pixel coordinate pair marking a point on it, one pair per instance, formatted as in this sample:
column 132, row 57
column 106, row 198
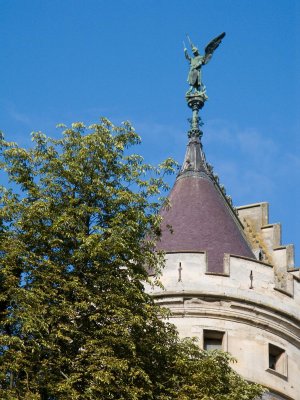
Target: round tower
column 228, row 280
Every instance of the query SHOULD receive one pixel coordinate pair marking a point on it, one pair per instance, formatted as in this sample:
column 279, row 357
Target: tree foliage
column 77, row 234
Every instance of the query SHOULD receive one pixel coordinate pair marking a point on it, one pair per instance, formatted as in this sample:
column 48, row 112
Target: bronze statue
column 196, row 62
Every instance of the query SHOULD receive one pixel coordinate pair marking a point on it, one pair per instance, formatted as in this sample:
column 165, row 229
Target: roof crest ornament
column 196, row 97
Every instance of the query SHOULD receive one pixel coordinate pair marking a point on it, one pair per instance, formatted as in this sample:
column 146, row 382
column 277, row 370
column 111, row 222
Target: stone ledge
column 276, row 373
column 284, row 292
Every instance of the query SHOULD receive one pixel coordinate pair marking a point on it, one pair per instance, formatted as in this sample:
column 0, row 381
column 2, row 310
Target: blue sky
column 75, row 60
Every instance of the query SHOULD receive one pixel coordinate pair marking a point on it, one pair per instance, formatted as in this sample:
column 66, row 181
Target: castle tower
column 228, row 280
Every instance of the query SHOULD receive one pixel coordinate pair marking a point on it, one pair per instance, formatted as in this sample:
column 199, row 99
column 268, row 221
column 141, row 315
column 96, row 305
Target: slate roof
column 200, row 216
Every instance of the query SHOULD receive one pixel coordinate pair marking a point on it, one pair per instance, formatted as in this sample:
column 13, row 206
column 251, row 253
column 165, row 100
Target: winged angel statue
column 196, row 62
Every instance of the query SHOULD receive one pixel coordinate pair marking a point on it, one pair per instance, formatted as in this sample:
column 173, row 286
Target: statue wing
column 211, row 47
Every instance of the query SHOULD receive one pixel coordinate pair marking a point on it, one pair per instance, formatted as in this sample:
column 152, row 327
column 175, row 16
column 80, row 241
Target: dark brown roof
column 202, row 220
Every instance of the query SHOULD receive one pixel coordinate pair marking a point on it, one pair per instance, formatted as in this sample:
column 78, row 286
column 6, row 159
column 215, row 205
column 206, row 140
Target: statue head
column 195, row 50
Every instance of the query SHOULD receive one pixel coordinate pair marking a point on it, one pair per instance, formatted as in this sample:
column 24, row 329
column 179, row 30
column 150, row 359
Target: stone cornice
column 195, row 304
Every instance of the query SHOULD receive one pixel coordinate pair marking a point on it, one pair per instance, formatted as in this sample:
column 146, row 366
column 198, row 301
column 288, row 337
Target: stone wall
column 243, row 304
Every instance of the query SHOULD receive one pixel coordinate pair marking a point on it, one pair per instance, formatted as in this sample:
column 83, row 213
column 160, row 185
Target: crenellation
column 236, row 284
column 284, row 256
column 258, row 213
column 283, row 262
column 271, row 235
column 265, row 240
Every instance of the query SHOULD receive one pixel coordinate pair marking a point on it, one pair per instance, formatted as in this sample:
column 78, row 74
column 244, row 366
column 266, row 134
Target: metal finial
column 196, row 95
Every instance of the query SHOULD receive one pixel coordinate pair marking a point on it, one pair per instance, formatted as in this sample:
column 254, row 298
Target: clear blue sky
column 75, row 60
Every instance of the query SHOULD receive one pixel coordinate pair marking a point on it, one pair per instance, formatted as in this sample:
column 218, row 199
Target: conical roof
column 200, row 215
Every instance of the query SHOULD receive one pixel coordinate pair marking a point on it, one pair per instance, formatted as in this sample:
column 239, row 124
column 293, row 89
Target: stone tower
column 228, row 280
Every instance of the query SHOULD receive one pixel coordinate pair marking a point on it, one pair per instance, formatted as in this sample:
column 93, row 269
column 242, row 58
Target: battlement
column 242, row 279
column 265, row 241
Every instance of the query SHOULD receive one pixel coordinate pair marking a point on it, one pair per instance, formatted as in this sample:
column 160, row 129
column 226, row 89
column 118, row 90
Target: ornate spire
column 194, row 160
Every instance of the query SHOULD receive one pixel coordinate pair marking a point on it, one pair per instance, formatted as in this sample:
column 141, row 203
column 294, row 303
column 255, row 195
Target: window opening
column 277, row 359
column 212, row 340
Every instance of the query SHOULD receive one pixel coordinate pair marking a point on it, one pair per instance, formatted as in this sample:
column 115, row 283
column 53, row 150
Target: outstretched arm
column 187, row 54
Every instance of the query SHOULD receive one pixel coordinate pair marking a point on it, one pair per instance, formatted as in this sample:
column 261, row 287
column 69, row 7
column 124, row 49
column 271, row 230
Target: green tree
column 77, row 235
